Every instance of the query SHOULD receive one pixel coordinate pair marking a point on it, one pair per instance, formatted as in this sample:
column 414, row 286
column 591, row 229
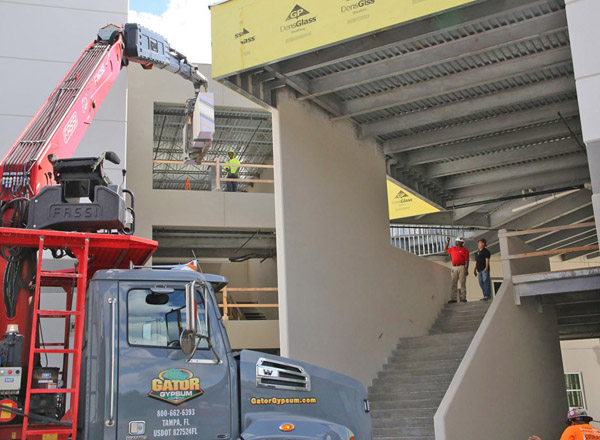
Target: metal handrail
column 423, row 240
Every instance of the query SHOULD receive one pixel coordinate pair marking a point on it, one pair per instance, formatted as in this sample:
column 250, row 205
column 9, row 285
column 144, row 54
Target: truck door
column 160, row 395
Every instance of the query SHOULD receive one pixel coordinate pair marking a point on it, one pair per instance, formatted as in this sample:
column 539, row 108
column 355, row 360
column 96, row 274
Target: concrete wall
column 201, row 209
column 40, row 41
column 346, row 295
column 253, row 335
column 510, row 383
column 582, row 17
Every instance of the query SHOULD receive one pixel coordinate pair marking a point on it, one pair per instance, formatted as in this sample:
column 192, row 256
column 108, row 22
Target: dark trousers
column 485, row 283
column 232, row 186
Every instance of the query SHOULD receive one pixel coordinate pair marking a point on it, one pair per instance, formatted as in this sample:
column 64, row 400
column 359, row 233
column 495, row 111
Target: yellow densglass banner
column 249, row 33
column 403, row 203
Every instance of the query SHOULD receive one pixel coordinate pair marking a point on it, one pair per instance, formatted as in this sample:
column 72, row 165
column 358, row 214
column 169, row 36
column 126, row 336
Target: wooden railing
column 228, row 302
column 218, row 164
column 550, row 252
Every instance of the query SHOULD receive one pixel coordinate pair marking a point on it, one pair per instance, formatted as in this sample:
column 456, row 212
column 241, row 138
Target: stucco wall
column 346, row 295
column 510, row 383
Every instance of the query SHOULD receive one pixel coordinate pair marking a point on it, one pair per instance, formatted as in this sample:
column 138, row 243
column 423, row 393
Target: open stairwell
column 407, row 392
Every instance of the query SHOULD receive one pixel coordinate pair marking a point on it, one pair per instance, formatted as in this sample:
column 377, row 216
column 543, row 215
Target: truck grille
column 281, row 376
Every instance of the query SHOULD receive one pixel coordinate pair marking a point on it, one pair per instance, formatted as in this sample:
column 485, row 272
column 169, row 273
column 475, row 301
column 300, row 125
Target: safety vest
column 230, row 168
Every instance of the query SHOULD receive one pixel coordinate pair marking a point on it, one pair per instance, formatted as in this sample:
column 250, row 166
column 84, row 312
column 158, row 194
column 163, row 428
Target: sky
column 184, row 23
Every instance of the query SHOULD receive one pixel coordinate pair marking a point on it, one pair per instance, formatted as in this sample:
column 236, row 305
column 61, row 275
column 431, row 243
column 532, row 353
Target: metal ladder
column 75, row 280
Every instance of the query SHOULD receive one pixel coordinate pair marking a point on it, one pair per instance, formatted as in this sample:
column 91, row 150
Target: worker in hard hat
column 460, row 269
column 232, row 168
column 579, row 426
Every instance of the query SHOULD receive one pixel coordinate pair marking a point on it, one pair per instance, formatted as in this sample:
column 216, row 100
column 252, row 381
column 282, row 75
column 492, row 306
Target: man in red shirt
column 460, row 268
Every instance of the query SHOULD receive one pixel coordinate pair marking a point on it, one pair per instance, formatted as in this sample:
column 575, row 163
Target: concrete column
column 582, row 17
column 346, row 295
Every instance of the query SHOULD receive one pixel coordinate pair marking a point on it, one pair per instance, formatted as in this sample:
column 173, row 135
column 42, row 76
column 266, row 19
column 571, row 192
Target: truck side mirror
column 188, row 338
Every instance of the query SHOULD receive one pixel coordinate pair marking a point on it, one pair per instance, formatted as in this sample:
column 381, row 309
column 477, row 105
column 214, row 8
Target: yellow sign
column 249, row 33
column 403, row 203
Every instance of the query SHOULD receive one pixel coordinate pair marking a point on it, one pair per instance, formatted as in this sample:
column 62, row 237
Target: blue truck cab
column 157, row 364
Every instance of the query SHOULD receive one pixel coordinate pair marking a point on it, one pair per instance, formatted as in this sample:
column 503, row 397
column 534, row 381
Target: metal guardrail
column 219, row 171
column 424, row 240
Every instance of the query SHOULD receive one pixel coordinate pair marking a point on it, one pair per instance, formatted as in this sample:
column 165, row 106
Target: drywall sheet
column 249, row 33
column 403, row 203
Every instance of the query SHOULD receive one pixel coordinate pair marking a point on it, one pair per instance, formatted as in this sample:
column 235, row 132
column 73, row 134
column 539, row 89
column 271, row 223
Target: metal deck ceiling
column 247, row 132
column 469, row 106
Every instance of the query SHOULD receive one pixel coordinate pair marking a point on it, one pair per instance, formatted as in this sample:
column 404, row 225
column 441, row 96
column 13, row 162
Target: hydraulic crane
column 42, row 186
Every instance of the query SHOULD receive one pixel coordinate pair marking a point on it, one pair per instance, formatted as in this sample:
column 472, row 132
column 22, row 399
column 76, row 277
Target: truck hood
column 275, row 386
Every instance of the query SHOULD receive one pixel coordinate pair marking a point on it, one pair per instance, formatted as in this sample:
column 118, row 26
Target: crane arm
column 59, row 125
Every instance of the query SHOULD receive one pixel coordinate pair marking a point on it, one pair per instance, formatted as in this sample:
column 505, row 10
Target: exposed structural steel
column 472, row 104
column 247, row 132
column 177, row 244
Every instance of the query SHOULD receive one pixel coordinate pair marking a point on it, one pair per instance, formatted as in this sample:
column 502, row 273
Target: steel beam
column 419, row 59
column 539, row 216
column 330, row 103
column 484, row 127
column 183, row 254
column 467, row 107
column 587, row 241
column 456, row 82
column 402, row 34
column 500, row 158
column 527, row 169
column 555, row 130
column 550, row 239
column 573, row 176
column 561, row 238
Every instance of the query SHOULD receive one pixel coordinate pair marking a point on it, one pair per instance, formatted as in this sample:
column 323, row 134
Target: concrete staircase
column 407, row 392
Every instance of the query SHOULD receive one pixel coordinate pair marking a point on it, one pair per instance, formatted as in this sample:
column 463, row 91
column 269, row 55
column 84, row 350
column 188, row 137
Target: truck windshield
column 158, row 321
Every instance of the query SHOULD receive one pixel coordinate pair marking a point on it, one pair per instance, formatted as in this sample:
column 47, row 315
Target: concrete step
column 427, row 437
column 392, row 375
column 423, row 365
column 453, row 320
column 391, row 382
column 420, row 357
column 377, row 414
column 451, row 330
column 409, row 388
column 406, row 396
column 436, row 341
column 405, row 422
column 456, row 325
column 405, row 438
column 428, row 353
column 470, row 307
column 417, row 432
column 405, row 404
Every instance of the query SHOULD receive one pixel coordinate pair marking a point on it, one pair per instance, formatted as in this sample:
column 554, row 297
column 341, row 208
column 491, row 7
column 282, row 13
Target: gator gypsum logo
column 296, row 14
column 358, row 5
